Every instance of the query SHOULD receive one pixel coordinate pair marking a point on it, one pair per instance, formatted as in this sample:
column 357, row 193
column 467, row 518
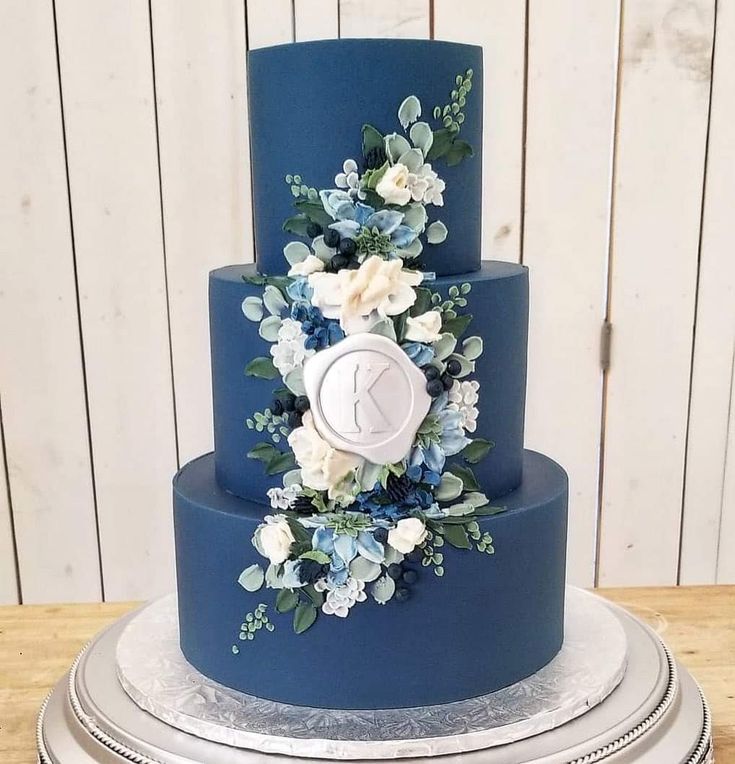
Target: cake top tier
column 344, row 129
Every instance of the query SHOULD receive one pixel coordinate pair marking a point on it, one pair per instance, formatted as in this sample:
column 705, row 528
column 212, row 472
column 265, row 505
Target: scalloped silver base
column 655, row 714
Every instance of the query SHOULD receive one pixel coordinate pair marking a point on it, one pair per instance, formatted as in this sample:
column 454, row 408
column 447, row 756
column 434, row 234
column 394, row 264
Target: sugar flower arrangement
column 343, row 528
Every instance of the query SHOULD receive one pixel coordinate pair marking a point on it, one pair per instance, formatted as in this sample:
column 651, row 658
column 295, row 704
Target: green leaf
column 295, row 381
column 436, row 233
column 421, row 137
column 487, row 511
column 476, row 499
column 303, row 617
column 314, row 554
column 251, row 579
column 262, row 451
column 376, row 176
column 296, row 225
column 314, row 211
column 286, row 600
column 423, row 301
column 441, row 144
column 466, row 475
column 296, row 252
column 456, row 325
column 262, row 368
column 449, row 488
column 444, row 346
column 371, row 139
column 456, row 535
column 252, row 308
column 269, row 327
column 472, row 348
column 409, row 111
column 457, row 152
column 274, row 300
column 385, row 328
column 477, row 450
column 316, row 597
column 395, row 146
column 281, row 462
column 399, row 324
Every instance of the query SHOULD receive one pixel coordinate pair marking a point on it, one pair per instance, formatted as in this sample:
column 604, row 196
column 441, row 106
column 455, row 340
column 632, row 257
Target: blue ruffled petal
column 345, row 547
column 386, row 221
column 362, row 212
column 346, row 228
column 323, row 540
column 369, row 548
column 403, row 236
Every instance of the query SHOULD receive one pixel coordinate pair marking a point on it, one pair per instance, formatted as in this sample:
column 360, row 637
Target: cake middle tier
column 493, row 402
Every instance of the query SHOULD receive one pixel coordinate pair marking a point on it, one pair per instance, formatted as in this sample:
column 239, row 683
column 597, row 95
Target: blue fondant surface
column 489, row 622
column 308, row 103
column 499, row 303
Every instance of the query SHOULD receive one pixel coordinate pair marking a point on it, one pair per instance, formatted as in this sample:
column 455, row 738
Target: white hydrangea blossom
column 349, row 179
column 339, row 599
column 289, row 352
column 426, row 186
column 283, row 498
column 462, row 398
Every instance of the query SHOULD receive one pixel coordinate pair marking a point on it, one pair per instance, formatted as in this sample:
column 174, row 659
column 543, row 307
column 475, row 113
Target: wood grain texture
column 384, row 18
column 661, row 138
column 714, row 340
column 199, row 53
column 502, row 36
column 107, row 85
column 37, row 645
column 316, row 19
column 269, row 22
column 41, row 376
column 566, row 228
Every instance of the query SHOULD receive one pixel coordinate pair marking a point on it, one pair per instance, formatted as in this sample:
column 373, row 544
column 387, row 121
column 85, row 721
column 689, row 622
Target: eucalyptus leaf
column 385, row 328
column 392, row 556
column 421, row 137
column 274, row 300
column 383, row 589
column 476, row 498
column 269, row 327
column 262, row 368
column 293, row 477
column 321, row 250
column 296, row 252
column 456, row 535
column 472, row 348
column 477, row 450
column 409, row 111
column 297, row 224
column 436, row 233
column 415, row 217
column 462, row 509
column 414, row 249
column 450, row 487
column 252, row 308
column 303, row 617
column 295, row 381
column 444, row 346
column 395, row 146
column 286, row 600
column 364, row 570
column 315, row 554
column 467, row 367
column 367, row 475
column 252, row 578
column 274, row 576
column 413, row 159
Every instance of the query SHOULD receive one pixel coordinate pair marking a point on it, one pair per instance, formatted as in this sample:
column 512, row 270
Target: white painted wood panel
column 41, row 378
column 384, row 18
column 726, row 546
column 8, row 561
column 107, row 85
column 316, row 19
column 199, row 53
column 269, row 22
column 568, row 176
column 715, row 327
column 663, row 108
column 500, row 27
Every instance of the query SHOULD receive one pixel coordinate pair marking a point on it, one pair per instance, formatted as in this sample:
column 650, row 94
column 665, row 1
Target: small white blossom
column 283, row 498
column 339, row 599
column 462, row 398
column 426, row 186
column 289, row 352
column 424, row 328
column 349, row 179
column 407, row 535
column 393, row 186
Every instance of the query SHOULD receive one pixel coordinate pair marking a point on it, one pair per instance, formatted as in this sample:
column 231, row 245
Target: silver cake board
column 614, row 694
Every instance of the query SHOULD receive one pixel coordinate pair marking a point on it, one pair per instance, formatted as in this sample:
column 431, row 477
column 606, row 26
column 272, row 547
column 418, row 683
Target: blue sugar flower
column 420, row 354
column 300, row 290
column 320, row 332
column 452, row 438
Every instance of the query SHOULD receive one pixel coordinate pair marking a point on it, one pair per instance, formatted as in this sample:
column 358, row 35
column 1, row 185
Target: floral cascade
column 343, row 528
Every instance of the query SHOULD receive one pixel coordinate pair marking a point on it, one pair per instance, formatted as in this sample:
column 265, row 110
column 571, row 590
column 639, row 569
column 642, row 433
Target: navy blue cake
column 369, row 531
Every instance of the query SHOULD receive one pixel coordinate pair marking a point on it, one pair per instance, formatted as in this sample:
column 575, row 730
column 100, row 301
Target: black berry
column 395, row 571
column 339, row 261
column 331, row 237
column 353, row 265
column 277, row 407
column 398, row 487
column 402, row 594
column 294, row 420
column 434, row 388
column 288, row 402
column 380, row 535
column 313, row 230
column 410, row 576
column 447, row 381
column 454, row 367
column 347, row 247
column 302, row 505
column 431, row 372
column 301, row 404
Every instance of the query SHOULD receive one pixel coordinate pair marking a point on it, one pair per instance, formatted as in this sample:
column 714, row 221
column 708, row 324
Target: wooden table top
column 39, row 642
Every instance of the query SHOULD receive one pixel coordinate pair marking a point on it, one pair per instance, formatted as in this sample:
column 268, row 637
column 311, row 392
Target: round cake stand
column 655, row 713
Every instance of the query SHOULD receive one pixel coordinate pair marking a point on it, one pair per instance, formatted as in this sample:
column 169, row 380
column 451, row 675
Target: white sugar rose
column 360, row 298
column 407, row 535
column 273, row 539
column 424, row 328
column 323, row 468
column 312, row 264
column 393, row 186
column 289, row 352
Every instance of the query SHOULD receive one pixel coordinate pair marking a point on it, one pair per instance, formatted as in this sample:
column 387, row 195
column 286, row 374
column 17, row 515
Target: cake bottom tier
column 487, row 622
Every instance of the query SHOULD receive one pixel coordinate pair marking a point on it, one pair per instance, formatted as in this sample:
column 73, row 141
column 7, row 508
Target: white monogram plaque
column 367, row 397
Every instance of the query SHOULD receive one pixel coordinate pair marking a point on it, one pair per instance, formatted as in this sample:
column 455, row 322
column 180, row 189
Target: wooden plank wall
column 609, row 165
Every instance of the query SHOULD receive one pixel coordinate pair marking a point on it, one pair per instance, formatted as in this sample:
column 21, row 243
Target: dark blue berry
column 402, row 594
column 447, row 381
column 288, row 402
column 277, row 407
column 331, row 237
column 294, row 420
column 454, row 367
column 353, row 265
column 434, row 388
column 301, row 404
column 347, row 247
column 410, row 577
column 339, row 261
column 380, row 535
column 313, row 230
column 431, row 372
column 395, row 571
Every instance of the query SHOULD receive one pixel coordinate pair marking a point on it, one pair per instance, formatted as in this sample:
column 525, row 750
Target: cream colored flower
column 312, row 264
column 393, row 186
column 323, row 468
column 424, row 328
column 407, row 535
column 289, row 352
column 360, row 298
column 273, row 539
column 339, row 599
column 426, row 186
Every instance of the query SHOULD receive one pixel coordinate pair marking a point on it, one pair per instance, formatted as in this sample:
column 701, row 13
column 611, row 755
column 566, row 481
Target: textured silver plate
column 155, row 674
column 655, row 715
